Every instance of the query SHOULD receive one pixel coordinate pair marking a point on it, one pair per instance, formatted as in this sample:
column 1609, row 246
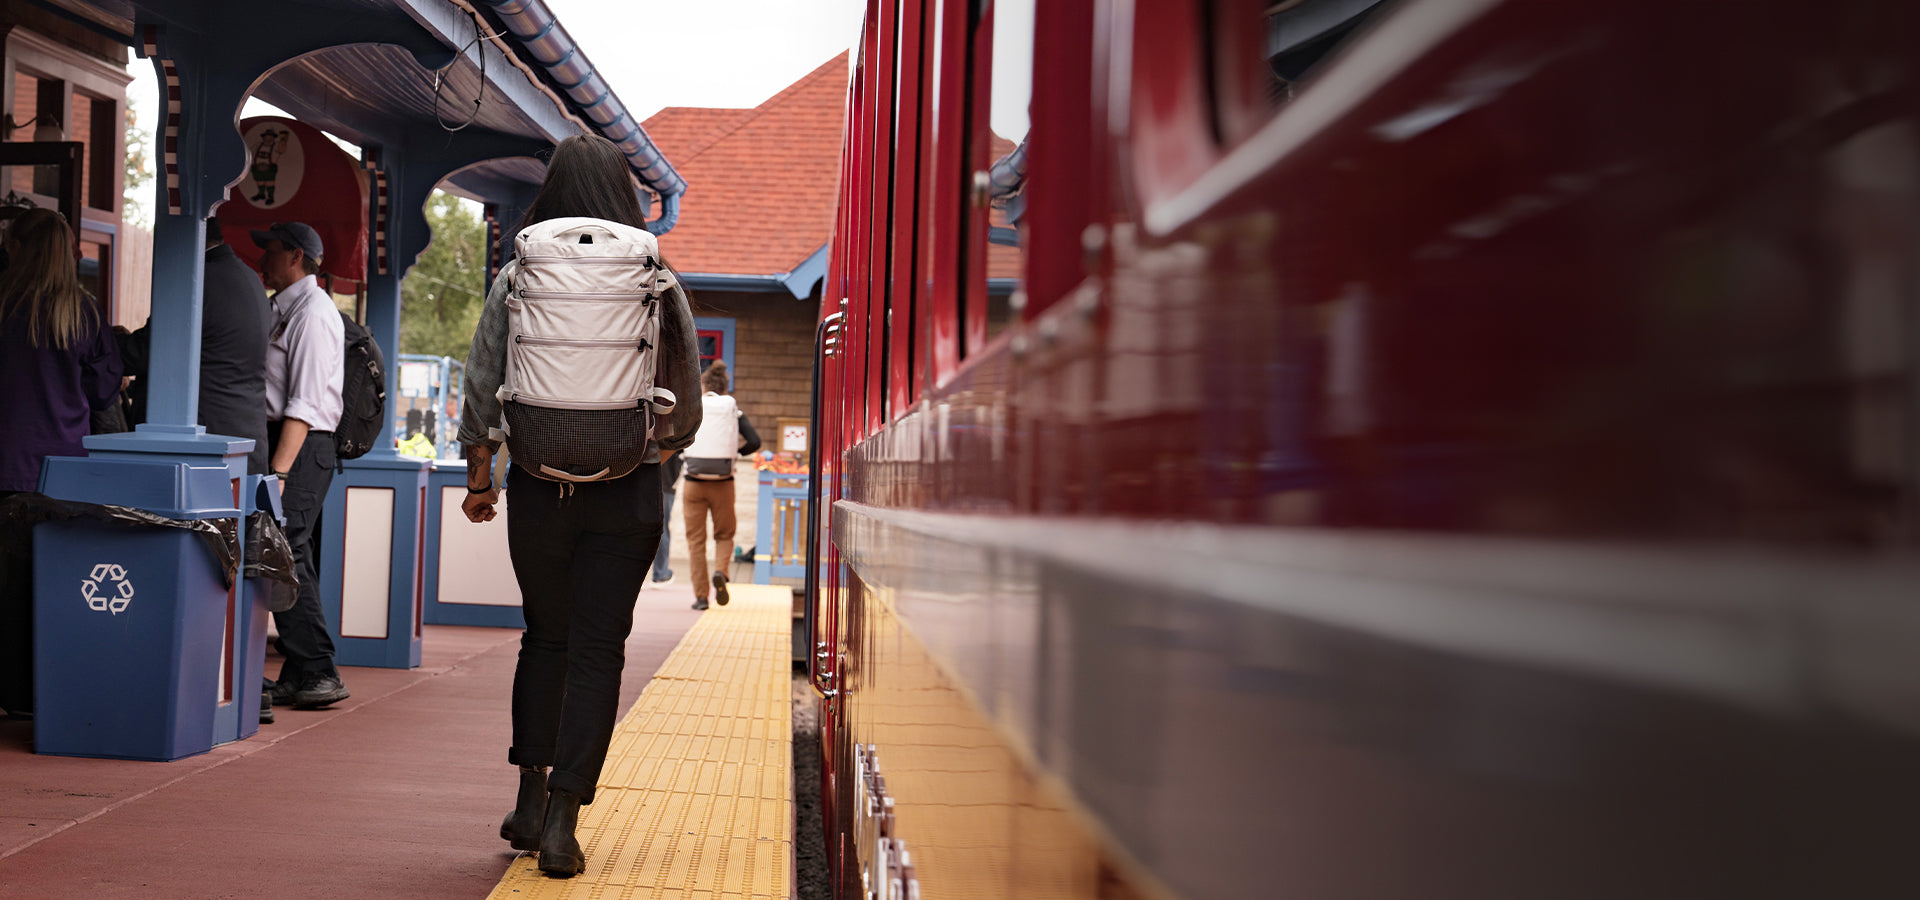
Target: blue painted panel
column 407, row 478
column 445, row 475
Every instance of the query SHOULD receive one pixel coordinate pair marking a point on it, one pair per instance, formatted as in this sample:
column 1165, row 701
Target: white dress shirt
column 306, row 361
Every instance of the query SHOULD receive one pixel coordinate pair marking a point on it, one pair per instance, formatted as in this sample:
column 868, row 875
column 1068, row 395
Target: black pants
column 303, row 629
column 16, row 624
column 580, row 553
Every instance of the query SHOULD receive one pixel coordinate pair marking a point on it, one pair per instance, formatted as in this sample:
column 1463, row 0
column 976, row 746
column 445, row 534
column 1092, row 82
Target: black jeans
column 580, row 553
column 303, row 629
column 16, row 625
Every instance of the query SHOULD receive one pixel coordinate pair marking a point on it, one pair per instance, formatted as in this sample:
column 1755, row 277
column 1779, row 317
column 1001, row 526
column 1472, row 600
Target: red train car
column 1339, row 448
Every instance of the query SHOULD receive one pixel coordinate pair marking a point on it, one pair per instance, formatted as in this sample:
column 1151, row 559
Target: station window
column 98, row 121
column 36, row 103
column 95, row 267
column 714, row 335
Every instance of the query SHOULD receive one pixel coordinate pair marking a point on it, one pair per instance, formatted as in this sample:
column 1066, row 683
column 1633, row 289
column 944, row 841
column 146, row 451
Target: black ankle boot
column 522, row 826
column 560, row 853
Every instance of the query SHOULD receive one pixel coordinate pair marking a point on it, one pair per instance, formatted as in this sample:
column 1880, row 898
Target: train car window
column 1004, row 167
column 1265, row 52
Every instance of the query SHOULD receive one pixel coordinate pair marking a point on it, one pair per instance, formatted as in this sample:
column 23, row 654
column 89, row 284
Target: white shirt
column 306, row 361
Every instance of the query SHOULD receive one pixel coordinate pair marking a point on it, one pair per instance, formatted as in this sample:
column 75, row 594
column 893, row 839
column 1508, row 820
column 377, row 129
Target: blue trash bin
column 129, row 622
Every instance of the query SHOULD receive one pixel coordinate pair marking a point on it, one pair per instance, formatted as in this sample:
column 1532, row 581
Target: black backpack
column 363, row 395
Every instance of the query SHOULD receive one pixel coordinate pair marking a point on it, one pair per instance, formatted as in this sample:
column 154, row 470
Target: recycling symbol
column 108, row 589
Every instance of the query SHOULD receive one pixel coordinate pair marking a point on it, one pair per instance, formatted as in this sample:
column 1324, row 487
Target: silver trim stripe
column 1782, row 632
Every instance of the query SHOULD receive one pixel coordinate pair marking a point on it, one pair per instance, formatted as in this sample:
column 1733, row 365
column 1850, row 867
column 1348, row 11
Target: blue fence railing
column 430, row 384
column 780, row 535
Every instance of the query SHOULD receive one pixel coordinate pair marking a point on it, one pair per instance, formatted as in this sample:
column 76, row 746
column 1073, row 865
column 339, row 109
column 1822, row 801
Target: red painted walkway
column 398, row 792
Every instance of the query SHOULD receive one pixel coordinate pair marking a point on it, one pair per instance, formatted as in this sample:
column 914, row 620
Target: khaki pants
column 699, row 499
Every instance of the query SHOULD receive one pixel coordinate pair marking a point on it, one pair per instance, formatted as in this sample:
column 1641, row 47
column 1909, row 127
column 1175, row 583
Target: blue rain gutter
column 797, row 283
column 746, row 284
column 541, row 33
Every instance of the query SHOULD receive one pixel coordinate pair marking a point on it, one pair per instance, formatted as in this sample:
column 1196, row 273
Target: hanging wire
column 439, row 77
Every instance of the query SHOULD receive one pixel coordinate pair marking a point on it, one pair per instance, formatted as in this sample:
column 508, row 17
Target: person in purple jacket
column 58, row 363
column 58, row 359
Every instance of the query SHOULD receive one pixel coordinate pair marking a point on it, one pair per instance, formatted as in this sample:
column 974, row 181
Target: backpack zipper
column 596, row 260
column 529, row 400
column 564, row 342
column 582, row 295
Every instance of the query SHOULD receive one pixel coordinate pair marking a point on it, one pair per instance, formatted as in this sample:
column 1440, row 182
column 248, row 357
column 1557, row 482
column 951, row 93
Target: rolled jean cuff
column 538, row 757
column 572, row 784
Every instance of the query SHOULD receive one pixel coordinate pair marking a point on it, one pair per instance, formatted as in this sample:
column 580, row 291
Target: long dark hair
column 588, row 176
column 41, row 284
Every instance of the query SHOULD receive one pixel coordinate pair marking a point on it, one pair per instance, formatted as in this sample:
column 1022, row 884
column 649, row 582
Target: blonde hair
column 41, row 283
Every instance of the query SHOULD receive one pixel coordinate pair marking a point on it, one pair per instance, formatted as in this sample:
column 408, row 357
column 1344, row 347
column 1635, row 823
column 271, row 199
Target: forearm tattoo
column 479, row 466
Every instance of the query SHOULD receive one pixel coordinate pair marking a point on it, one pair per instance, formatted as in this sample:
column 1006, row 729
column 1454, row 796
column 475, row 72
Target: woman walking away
column 58, row 359
column 584, row 473
column 724, row 434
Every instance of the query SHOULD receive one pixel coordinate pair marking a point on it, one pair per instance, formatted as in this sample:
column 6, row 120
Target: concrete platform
column 697, row 797
column 397, row 792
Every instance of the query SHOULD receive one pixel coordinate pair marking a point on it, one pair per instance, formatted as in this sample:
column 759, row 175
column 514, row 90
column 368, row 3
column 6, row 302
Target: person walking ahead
column 724, row 434
column 580, row 547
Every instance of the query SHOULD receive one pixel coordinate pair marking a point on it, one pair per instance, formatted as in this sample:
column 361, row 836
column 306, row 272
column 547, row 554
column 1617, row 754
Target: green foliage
column 139, row 171
column 441, row 296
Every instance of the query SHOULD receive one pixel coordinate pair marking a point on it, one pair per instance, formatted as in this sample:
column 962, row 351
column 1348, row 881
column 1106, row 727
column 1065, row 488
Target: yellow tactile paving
column 696, row 799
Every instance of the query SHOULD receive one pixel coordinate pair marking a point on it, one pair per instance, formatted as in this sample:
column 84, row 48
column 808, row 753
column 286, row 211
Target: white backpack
column 583, row 332
column 715, row 446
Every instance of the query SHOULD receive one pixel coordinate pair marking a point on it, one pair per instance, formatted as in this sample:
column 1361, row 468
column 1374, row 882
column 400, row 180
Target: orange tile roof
column 761, row 182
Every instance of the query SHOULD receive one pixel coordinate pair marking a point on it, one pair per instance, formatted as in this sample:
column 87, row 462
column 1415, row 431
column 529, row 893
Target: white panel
column 474, row 566
column 364, row 597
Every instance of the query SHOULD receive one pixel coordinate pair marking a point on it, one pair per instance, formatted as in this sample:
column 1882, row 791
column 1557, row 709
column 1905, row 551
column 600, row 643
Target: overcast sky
column 728, row 53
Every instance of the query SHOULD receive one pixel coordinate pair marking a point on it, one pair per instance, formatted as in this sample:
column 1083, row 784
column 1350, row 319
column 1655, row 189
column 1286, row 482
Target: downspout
column 541, row 33
column 1009, row 172
column 1007, row 179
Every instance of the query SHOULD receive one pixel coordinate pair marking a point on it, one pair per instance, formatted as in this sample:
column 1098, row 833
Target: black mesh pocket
column 576, row 441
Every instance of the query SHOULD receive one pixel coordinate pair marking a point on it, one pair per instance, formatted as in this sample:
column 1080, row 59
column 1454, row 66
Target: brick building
column 753, row 231
column 63, row 84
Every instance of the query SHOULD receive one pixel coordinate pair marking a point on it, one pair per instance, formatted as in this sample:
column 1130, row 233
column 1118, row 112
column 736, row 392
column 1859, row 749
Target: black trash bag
column 270, row 557
column 20, row 512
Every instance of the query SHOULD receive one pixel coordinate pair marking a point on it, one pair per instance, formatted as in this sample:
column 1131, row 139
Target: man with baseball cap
column 305, row 373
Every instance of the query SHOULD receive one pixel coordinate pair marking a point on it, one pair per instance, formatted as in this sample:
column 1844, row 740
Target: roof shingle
column 760, row 182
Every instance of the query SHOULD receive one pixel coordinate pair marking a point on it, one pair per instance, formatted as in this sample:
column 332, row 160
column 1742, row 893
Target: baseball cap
column 293, row 234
